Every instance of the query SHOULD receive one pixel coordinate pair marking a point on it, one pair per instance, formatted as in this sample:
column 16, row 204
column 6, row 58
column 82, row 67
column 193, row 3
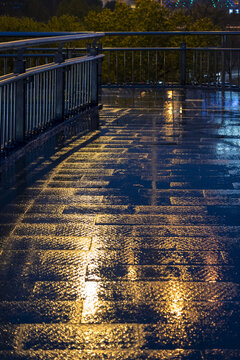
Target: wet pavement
column 125, row 243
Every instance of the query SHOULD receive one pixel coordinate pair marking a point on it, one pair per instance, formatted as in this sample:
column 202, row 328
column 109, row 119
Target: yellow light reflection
column 170, row 94
column 91, row 300
column 132, row 273
column 176, row 296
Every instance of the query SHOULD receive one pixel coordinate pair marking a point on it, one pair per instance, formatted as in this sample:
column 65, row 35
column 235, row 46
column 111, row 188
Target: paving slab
column 124, row 244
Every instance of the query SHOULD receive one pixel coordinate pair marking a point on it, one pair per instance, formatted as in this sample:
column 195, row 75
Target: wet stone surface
column 125, row 243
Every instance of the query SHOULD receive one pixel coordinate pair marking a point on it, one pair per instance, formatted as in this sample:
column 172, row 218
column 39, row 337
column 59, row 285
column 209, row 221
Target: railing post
column 223, row 70
column 183, row 64
column 92, row 51
column 19, row 67
column 99, row 66
column 59, row 58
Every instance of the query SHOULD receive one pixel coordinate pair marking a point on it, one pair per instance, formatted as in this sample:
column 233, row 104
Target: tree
column 78, row 8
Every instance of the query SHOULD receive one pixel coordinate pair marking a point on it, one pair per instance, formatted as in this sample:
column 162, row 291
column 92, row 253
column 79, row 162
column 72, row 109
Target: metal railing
column 32, row 99
column 216, row 65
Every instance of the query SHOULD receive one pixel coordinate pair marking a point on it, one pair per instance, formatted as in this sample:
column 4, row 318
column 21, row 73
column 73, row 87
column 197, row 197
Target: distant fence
column 213, row 66
column 33, row 98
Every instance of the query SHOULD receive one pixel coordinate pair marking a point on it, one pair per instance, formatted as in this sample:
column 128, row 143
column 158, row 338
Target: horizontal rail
column 39, row 33
column 19, row 44
column 170, row 49
column 175, row 33
column 118, row 33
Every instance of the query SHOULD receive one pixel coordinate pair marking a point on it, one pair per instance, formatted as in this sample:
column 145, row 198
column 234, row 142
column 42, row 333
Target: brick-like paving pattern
column 129, row 247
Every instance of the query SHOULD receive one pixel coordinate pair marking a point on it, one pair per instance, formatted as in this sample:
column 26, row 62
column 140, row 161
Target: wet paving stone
column 128, row 245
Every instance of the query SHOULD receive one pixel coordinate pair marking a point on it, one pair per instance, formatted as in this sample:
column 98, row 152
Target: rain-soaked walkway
column 127, row 244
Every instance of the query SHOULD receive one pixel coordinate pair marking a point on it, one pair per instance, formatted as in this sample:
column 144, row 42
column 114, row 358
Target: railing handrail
column 116, row 33
column 40, row 33
column 168, row 48
column 19, row 44
column 185, row 33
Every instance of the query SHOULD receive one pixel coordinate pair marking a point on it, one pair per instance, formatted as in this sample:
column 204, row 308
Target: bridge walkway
column 127, row 245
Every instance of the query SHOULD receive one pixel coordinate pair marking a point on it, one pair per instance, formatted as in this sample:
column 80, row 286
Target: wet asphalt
column 125, row 243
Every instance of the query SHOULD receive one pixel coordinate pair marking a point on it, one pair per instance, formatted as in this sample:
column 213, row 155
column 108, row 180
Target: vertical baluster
column 52, row 103
column 132, row 66
column 84, row 79
column 208, row 67
column 68, row 70
column 1, row 120
column 124, row 67
column 109, row 66
column 7, row 114
column 66, row 91
column 11, row 114
column 41, row 101
column 27, row 108
column 116, row 64
column 75, row 86
column 32, row 105
column 54, row 94
column 4, row 116
column 156, row 62
column 230, row 67
column 81, row 84
column 37, row 101
column 140, row 66
column 193, row 67
column 148, row 67
column 47, row 97
column 14, row 111
column 238, row 57
column 85, row 83
column 200, row 67
column 44, row 99
column 71, row 86
column 164, row 67
column 88, row 91
column 78, row 86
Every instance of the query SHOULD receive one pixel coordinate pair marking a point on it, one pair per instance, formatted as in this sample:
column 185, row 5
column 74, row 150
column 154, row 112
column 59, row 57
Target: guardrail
column 34, row 98
column 178, row 66
column 215, row 66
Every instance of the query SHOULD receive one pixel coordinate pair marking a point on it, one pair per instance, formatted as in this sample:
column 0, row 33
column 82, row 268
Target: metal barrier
column 32, row 99
column 215, row 66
